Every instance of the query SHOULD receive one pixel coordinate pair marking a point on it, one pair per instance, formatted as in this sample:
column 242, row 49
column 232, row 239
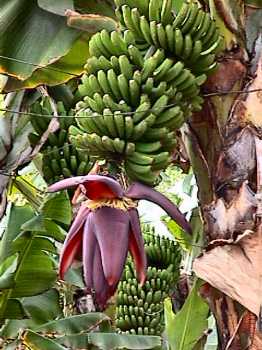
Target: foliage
column 48, row 47
column 185, row 328
column 60, row 51
column 26, row 252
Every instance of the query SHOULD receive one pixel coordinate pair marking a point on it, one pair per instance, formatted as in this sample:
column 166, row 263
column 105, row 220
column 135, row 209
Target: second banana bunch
column 142, row 83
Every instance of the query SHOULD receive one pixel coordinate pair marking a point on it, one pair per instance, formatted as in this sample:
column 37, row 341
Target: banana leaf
column 185, row 328
column 37, row 45
column 27, row 266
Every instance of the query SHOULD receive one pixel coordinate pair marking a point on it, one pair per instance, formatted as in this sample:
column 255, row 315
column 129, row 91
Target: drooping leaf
column 18, row 216
column 24, row 25
column 44, row 307
column 35, row 341
column 108, row 341
column 185, row 328
column 67, row 67
column 36, row 274
column 58, row 208
column 27, row 191
column 74, row 324
column 29, row 269
column 46, row 227
column 39, row 309
column 56, row 7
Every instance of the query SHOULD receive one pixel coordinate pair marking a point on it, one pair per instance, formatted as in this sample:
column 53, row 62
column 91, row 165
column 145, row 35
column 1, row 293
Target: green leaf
column 58, row 208
column 44, row 307
column 28, row 192
column 40, row 309
column 254, row 3
column 38, row 244
column 183, row 238
column 33, row 35
column 35, row 341
column 36, row 275
column 15, row 310
column 185, row 328
column 75, row 341
column 18, row 216
column 7, row 270
column 108, row 341
column 56, row 7
column 74, row 276
column 67, row 67
column 33, row 271
column 54, row 230
column 74, row 324
column 46, row 227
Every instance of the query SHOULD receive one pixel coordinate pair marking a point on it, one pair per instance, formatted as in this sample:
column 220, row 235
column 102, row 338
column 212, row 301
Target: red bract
column 106, row 228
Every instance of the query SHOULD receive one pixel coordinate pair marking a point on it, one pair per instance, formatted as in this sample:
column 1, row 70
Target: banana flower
column 106, row 228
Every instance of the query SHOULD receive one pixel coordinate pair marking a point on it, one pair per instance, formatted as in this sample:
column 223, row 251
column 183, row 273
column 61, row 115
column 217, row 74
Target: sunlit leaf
column 58, row 208
column 185, row 328
column 183, row 238
column 66, row 68
column 33, row 35
column 35, row 341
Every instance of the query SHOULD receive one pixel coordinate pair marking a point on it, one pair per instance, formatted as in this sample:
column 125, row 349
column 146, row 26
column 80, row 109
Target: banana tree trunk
column 224, row 145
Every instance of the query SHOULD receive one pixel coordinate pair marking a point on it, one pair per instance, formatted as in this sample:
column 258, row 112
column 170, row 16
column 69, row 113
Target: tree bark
column 224, row 145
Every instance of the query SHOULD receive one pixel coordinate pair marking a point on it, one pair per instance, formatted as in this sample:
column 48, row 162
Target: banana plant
column 106, row 228
column 48, row 41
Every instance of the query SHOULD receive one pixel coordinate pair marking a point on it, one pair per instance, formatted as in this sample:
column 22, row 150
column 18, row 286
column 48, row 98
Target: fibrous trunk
column 224, row 146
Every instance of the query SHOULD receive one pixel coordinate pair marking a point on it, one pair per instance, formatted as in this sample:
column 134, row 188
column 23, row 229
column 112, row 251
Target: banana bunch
column 142, row 83
column 60, row 158
column 140, row 309
column 190, row 36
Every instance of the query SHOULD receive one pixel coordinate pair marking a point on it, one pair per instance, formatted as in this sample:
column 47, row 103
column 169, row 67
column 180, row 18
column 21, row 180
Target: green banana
column 113, row 84
column 149, row 147
column 126, row 67
column 108, row 117
column 120, row 124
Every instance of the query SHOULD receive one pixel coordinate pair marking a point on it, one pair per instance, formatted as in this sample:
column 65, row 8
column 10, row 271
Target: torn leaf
column 236, row 269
